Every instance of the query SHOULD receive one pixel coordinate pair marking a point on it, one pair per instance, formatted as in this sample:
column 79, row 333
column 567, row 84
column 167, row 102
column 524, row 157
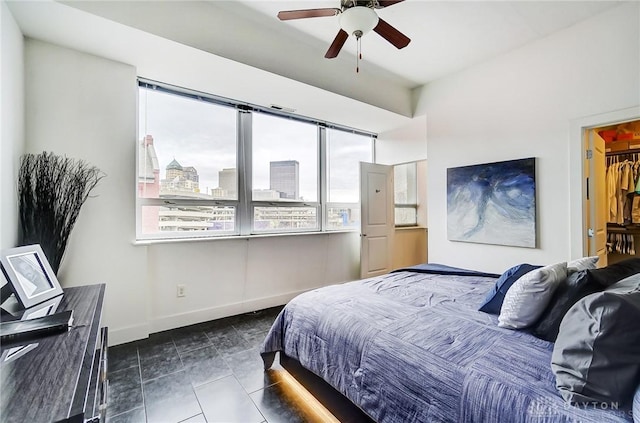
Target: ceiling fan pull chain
column 358, row 53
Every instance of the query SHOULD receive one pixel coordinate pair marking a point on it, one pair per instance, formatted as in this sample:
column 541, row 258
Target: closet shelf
column 629, row 229
column 635, row 150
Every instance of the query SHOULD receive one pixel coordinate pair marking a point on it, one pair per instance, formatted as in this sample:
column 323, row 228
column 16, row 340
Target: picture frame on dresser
column 14, row 352
column 29, row 274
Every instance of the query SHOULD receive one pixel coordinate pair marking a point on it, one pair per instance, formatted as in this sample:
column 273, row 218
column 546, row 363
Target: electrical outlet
column 182, row 291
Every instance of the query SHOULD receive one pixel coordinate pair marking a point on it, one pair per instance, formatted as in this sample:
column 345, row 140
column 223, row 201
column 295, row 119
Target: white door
column 597, row 198
column 377, row 223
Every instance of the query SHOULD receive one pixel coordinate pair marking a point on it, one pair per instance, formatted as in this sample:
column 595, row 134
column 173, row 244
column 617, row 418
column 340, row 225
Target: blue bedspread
column 412, row 347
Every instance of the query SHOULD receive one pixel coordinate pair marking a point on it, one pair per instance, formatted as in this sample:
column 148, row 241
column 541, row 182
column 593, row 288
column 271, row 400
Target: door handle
column 363, row 234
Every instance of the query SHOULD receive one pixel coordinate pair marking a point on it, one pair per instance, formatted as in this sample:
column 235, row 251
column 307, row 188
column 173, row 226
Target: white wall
column 11, row 123
column 521, row 105
column 84, row 106
column 407, row 143
column 229, row 277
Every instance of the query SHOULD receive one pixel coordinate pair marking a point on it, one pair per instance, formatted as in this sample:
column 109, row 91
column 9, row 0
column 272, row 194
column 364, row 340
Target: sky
column 203, row 135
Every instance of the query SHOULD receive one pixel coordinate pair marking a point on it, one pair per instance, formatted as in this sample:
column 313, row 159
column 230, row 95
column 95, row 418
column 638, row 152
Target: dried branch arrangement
column 51, row 191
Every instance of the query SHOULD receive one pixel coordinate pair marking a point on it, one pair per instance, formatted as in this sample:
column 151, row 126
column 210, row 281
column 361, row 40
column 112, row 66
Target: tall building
column 228, row 182
column 180, row 180
column 285, row 178
column 191, row 174
column 174, row 170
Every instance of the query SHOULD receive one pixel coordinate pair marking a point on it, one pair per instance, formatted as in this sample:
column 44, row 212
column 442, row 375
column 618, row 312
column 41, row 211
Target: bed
column 411, row 346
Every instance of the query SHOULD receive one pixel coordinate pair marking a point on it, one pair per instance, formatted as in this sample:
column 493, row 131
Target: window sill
column 410, row 228
column 144, row 242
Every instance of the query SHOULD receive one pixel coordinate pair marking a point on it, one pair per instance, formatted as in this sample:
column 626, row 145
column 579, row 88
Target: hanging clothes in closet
column 623, row 197
column 623, row 189
column 621, row 243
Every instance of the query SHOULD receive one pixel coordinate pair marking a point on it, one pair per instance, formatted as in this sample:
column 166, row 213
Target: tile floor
column 209, row 372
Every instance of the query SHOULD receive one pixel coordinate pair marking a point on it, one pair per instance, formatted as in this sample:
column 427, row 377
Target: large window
column 345, row 151
column 209, row 167
column 285, row 170
column 187, row 157
column 406, row 194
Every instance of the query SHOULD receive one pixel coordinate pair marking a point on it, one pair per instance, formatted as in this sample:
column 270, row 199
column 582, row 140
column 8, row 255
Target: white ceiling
column 447, row 36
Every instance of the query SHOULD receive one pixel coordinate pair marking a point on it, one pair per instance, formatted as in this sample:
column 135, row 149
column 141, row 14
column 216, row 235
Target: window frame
column 244, row 205
column 413, row 206
column 324, row 157
column 253, row 204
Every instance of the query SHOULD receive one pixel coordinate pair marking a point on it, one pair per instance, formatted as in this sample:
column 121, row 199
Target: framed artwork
column 493, row 203
column 29, row 274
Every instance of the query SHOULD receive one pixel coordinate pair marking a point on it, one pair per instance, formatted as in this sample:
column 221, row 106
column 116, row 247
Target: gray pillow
column 583, row 263
column 527, row 298
column 596, row 356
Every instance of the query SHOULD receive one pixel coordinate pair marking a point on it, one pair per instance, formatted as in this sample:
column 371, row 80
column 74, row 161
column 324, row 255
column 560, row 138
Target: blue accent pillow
column 493, row 301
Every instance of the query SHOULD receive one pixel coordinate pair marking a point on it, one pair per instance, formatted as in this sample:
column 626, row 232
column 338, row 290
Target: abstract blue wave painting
column 493, row 203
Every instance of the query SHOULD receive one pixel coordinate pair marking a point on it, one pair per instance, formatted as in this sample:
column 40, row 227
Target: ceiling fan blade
column 391, row 34
column 387, row 3
column 286, row 15
column 337, row 44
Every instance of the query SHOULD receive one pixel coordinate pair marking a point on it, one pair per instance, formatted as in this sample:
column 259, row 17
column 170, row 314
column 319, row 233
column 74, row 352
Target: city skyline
column 183, row 180
column 203, row 135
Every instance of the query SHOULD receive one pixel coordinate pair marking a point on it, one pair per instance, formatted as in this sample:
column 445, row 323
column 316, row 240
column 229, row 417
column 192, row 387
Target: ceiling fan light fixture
column 358, row 20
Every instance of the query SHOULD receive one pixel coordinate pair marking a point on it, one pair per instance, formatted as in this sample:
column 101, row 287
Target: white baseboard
column 128, row 334
column 203, row 315
column 134, row 333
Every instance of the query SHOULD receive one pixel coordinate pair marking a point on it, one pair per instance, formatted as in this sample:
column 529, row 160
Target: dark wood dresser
column 62, row 376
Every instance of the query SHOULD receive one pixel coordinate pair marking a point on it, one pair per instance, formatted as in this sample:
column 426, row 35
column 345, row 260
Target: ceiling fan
column 357, row 17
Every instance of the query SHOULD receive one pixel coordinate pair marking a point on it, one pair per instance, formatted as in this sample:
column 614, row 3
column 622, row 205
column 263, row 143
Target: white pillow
column 582, row 264
column 529, row 296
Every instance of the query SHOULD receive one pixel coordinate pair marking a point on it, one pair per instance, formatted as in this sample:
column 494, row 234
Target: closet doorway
column 612, row 206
